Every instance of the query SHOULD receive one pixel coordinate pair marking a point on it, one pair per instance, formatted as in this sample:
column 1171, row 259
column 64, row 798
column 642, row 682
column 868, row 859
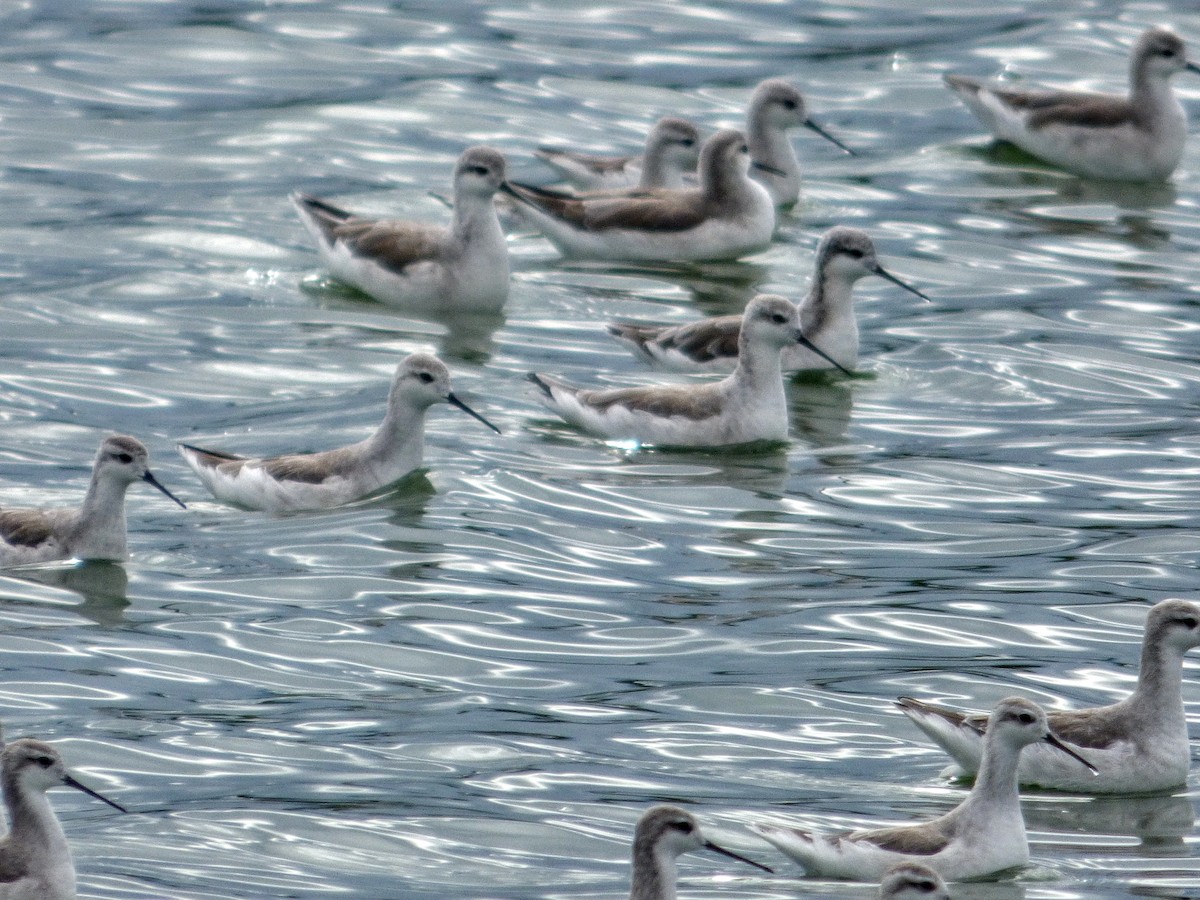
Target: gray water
column 472, row 686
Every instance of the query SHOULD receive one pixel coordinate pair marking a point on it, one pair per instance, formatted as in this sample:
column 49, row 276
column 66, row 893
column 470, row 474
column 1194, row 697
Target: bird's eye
column 744, row 149
column 44, row 761
column 779, row 319
column 479, row 170
column 1026, row 718
column 687, row 142
column 124, row 458
column 926, row 887
column 685, row 827
column 1188, row 622
column 789, row 104
column 854, row 253
column 1167, row 52
column 425, row 377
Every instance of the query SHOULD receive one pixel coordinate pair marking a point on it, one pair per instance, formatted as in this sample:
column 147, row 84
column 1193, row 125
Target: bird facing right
column 726, row 217
column 1138, row 137
column 35, row 859
column 308, row 481
column 95, row 530
column 748, row 405
column 1139, row 744
column 663, row 833
column 983, row 835
column 826, row 316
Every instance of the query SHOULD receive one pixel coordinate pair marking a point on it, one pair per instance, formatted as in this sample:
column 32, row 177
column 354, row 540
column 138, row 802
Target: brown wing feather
column 24, row 527
column 1084, row 729
column 706, row 340
column 922, row 840
column 1069, row 108
column 394, row 245
column 309, row 468
column 689, row 402
column 664, row 211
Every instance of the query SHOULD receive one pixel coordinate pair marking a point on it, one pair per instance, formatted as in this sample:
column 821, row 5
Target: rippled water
column 473, row 685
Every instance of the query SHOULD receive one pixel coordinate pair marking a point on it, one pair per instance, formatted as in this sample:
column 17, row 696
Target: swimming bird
column 912, row 881
column 35, row 859
column 95, row 530
column 1138, row 137
column 1139, row 745
column 776, row 107
column 663, row 833
column 747, row 405
column 827, row 318
column 728, row 216
column 413, row 264
column 307, row 481
column 982, row 835
column 672, row 148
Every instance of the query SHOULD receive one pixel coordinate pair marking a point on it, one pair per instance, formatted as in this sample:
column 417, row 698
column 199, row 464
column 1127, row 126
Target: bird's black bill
column 709, row 845
column 765, row 168
column 1055, row 742
column 71, row 782
column 454, row 401
column 150, row 479
column 1192, row 67
column 884, row 273
column 805, row 342
column 810, row 124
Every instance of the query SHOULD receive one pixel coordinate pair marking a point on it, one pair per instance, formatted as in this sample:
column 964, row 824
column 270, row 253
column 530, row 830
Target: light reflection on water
column 473, row 684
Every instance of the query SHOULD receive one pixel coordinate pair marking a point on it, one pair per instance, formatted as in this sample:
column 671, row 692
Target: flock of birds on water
column 651, row 208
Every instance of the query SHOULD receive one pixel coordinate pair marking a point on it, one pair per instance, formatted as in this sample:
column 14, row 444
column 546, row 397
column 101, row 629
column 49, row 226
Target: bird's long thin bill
column 1192, row 67
column 884, row 273
column 150, row 479
column 1055, row 742
column 454, row 401
column 763, row 167
column 809, row 123
column 79, row 786
column 716, row 848
column 805, row 342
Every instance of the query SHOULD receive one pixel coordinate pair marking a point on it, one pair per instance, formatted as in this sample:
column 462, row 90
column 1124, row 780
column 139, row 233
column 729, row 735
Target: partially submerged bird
column 306, row 481
column 748, row 405
column 826, row 317
column 912, row 881
column 672, row 149
column 1138, row 137
column 727, row 216
column 663, row 833
column 35, row 859
column 1139, row 745
column 776, row 107
column 983, row 835
column 460, row 268
column 95, row 530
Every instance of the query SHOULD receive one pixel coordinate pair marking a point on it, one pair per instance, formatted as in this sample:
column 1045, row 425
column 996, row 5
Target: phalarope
column 748, row 405
column 775, row 108
column 1139, row 745
column 826, row 317
column 95, row 530
column 1139, row 137
column 912, row 881
column 415, row 264
column 35, row 859
column 306, row 481
column 672, row 148
column 664, row 833
column 728, row 216
column 983, row 834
